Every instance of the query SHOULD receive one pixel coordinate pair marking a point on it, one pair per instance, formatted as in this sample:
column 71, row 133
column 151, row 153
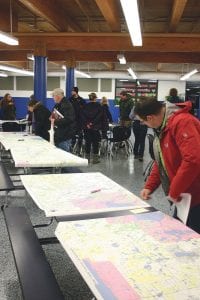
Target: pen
column 95, row 191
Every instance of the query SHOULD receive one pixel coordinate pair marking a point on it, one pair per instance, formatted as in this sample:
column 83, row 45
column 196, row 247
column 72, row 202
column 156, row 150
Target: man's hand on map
column 145, row 194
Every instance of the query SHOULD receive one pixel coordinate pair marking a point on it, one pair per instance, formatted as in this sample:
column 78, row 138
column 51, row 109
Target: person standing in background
column 139, row 131
column 8, row 110
column 108, row 116
column 92, row 123
column 41, row 118
column 78, row 104
column 63, row 120
column 126, row 103
column 173, row 96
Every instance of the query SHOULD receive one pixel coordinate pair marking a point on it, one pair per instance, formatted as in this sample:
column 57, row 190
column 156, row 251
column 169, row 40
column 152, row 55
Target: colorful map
column 78, row 193
column 146, row 256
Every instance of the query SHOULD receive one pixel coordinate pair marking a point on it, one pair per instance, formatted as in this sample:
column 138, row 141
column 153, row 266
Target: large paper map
column 32, row 151
column 78, row 193
column 146, row 256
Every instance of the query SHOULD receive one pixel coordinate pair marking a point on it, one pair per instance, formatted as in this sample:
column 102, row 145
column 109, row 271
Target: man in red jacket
column 177, row 152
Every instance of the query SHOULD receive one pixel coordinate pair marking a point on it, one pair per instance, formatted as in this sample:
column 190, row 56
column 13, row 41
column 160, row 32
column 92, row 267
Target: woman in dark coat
column 8, row 112
column 40, row 119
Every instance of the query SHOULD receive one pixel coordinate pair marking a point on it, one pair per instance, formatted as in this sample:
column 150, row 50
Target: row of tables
column 31, row 151
column 138, row 254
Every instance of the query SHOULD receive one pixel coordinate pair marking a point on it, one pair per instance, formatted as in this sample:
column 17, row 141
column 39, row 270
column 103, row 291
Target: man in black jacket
column 93, row 120
column 63, row 120
column 78, row 104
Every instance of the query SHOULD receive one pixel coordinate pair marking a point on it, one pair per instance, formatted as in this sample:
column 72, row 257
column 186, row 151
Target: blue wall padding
column 21, row 107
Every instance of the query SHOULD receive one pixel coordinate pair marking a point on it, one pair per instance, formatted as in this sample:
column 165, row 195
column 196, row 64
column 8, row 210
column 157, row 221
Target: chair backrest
column 121, row 133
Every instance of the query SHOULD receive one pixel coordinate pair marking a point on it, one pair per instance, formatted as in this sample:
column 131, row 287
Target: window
column 24, row 83
column 53, row 83
column 87, row 84
column 106, row 85
column 7, row 83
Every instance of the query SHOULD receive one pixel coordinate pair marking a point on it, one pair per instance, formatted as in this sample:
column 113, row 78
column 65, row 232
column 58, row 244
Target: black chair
column 11, row 126
column 120, row 139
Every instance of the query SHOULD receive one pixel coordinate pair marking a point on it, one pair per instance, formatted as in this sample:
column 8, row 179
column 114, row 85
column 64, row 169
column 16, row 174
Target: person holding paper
column 176, row 150
column 63, row 120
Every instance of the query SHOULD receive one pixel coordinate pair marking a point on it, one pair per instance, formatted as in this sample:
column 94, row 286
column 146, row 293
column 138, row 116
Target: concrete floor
column 125, row 171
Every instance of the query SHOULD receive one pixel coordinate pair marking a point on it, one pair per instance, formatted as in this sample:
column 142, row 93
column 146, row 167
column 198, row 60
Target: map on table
column 45, row 155
column 146, row 256
column 31, row 151
column 78, row 193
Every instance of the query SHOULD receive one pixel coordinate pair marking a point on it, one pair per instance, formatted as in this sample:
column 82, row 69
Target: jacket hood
column 175, row 109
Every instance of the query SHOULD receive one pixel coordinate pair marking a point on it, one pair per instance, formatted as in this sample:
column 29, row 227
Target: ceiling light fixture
column 8, row 38
column 189, row 74
column 78, row 72
column 132, row 73
column 121, row 59
column 3, row 75
column 16, row 70
column 30, row 56
column 131, row 13
column 82, row 74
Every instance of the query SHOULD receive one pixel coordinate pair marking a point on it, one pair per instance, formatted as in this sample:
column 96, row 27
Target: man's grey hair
column 58, row 92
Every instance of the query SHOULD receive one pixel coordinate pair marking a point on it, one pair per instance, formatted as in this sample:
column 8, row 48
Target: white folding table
column 78, row 194
column 31, row 151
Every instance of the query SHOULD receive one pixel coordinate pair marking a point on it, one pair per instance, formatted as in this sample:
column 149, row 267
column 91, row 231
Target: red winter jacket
column 180, row 145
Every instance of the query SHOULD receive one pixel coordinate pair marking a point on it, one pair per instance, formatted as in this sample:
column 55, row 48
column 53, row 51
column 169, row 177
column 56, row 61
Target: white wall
column 165, row 86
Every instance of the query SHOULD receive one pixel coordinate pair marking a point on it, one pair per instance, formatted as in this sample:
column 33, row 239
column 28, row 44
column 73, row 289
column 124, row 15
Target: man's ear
column 149, row 118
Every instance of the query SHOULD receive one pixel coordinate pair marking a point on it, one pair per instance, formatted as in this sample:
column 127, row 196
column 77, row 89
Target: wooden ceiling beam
column 16, row 64
column 107, row 56
column 177, row 11
column 52, row 13
column 107, row 42
column 109, row 65
column 110, row 11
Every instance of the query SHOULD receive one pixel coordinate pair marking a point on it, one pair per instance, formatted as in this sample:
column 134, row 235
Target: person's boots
column 96, row 159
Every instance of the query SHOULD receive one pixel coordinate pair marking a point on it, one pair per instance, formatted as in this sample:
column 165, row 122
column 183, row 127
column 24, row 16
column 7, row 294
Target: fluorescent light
column 121, row 59
column 78, row 72
column 132, row 73
column 83, row 74
column 16, row 70
column 8, row 39
column 30, row 56
column 123, row 80
column 187, row 75
column 131, row 13
column 3, row 75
